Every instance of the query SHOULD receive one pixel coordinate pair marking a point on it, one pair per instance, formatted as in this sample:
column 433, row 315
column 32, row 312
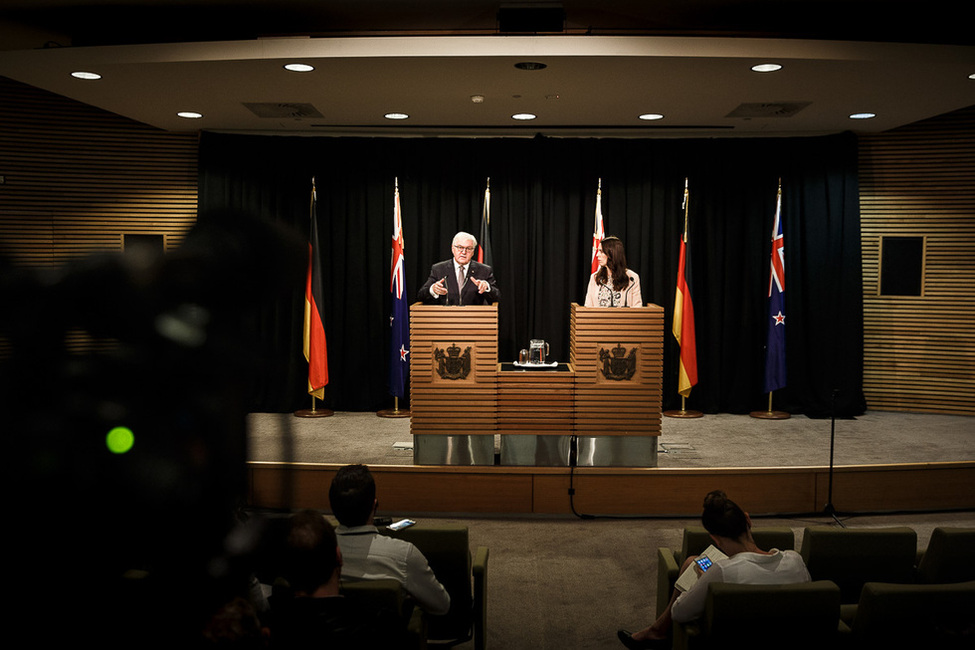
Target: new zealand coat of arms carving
column 618, row 366
column 453, row 364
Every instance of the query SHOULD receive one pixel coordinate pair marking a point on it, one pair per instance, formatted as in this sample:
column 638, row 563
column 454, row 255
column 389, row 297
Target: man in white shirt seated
column 366, row 554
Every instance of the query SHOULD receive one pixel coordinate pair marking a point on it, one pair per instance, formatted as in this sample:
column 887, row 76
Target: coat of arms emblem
column 453, row 364
column 618, row 365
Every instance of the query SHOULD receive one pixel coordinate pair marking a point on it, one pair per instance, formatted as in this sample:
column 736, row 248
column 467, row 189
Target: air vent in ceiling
column 772, row 109
column 283, row 110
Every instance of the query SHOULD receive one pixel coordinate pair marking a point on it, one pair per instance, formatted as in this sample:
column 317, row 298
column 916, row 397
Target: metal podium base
column 535, row 451
column 617, row 451
column 436, row 449
column 592, row 451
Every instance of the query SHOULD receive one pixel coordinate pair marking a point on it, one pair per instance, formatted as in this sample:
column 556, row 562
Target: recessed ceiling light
column 523, row 116
column 530, row 65
column 972, row 76
column 651, row 116
column 396, row 116
column 190, row 115
column 87, row 76
column 766, row 67
column 477, row 99
column 862, row 116
column 299, row 67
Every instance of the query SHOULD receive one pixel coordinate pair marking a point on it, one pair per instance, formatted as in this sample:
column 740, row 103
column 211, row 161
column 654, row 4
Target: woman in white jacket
column 613, row 285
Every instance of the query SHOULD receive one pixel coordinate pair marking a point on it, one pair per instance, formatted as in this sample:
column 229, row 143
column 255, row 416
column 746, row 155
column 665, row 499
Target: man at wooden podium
column 460, row 281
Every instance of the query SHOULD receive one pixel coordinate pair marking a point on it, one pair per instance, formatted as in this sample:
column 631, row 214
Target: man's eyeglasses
column 466, row 249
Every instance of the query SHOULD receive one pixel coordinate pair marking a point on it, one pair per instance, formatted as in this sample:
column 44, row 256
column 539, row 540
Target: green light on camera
column 120, row 440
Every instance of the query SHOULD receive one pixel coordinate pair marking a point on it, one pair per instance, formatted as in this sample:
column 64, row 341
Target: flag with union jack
column 598, row 234
column 484, row 254
column 775, row 346
column 399, row 363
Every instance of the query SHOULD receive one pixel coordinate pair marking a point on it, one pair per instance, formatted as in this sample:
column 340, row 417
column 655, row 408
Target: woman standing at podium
column 613, row 285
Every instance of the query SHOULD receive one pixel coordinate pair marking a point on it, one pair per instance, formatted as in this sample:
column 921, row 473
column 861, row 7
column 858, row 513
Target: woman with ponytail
column 730, row 529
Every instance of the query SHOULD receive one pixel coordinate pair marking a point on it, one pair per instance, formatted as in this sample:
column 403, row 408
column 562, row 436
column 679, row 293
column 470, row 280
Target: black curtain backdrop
column 543, row 194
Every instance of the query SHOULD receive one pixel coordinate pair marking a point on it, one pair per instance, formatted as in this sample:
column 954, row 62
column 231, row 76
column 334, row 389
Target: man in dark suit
column 460, row 281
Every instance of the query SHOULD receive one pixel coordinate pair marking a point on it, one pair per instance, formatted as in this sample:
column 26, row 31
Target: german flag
column 684, row 316
column 314, row 329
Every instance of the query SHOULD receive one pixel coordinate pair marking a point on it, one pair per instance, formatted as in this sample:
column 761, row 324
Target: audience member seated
column 695, row 540
column 369, row 555
column 730, row 530
column 314, row 614
column 235, row 625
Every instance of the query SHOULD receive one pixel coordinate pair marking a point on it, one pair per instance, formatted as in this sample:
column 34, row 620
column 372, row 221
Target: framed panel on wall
column 901, row 265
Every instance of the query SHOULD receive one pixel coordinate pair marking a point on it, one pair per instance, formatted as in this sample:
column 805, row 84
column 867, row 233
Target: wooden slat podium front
column 618, row 358
column 608, row 396
column 453, row 383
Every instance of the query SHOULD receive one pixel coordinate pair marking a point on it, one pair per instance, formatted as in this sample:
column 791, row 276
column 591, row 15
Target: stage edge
column 626, row 491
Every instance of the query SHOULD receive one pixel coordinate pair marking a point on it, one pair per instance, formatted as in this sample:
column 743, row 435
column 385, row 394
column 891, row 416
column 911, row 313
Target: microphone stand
column 829, row 509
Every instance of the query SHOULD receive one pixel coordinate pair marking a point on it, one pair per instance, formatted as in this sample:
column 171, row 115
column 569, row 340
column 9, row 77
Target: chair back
column 447, row 549
column 696, row 539
column 803, row 615
column 940, row 561
column 386, row 594
column 922, row 616
column 851, row 557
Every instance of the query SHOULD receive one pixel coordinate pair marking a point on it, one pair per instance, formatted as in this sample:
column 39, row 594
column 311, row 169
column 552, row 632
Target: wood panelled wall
column 76, row 179
column 919, row 180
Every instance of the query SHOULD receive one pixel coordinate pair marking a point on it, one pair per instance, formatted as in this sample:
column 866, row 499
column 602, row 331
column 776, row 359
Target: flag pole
column 314, row 411
column 683, row 412
column 771, row 414
column 396, row 411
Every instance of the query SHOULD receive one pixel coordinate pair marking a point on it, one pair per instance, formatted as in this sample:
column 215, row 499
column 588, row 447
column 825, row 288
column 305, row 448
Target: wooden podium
column 607, row 397
column 617, row 355
column 453, row 384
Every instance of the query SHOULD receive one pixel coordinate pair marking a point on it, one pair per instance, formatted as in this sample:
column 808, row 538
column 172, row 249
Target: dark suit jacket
column 469, row 295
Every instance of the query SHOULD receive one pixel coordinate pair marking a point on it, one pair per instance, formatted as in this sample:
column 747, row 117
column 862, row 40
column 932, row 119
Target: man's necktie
column 460, row 278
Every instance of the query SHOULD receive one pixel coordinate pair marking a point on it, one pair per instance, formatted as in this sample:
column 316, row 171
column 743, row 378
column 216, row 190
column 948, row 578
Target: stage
column 883, row 462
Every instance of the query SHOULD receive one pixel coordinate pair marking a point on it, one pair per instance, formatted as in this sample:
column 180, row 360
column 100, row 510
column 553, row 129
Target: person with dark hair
column 613, row 285
column 730, row 529
column 313, row 613
column 371, row 556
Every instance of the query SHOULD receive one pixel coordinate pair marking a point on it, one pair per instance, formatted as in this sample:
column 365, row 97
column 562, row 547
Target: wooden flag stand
column 683, row 412
column 770, row 414
column 395, row 412
column 313, row 412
